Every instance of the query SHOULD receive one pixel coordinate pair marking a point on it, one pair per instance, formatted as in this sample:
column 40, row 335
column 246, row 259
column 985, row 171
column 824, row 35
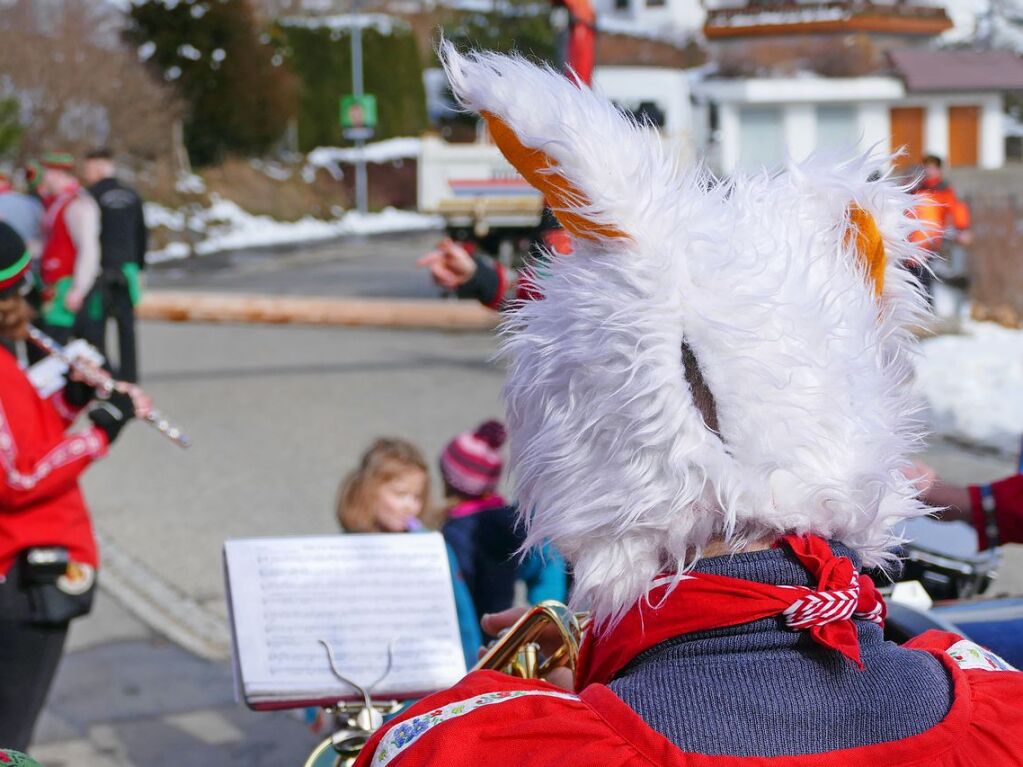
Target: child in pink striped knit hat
column 471, row 464
column 481, row 526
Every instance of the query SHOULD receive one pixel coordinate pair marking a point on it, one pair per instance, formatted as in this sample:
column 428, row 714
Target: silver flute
column 104, row 382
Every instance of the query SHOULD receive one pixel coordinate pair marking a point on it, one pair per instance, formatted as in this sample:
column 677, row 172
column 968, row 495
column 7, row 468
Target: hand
column 549, row 641
column 80, row 386
column 142, row 402
column 921, row 475
column 73, row 300
column 112, row 415
column 965, row 237
column 450, row 264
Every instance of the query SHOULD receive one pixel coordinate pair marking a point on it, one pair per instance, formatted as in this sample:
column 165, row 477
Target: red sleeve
column 67, row 412
column 32, row 473
column 1007, row 495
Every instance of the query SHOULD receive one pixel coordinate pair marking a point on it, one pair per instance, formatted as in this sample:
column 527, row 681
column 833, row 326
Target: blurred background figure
column 24, row 211
column 70, row 258
column 123, row 240
column 938, row 210
column 481, row 527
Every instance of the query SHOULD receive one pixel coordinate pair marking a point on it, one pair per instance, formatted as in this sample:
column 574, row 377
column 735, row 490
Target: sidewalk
column 126, row 697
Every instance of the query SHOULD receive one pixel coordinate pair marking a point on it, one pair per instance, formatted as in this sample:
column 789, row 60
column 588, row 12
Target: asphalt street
column 277, row 415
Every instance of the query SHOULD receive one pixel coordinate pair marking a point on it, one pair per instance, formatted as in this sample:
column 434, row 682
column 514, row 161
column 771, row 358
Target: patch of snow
column 964, row 15
column 379, row 152
column 228, row 227
column 473, row 6
column 973, row 383
column 190, row 184
column 309, row 174
column 802, row 16
column 173, row 252
column 159, row 216
column 146, row 50
column 380, row 22
column 190, row 52
column 272, row 170
column 1012, row 126
column 668, row 32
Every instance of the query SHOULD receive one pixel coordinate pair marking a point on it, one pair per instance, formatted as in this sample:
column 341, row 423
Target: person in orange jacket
column 938, row 209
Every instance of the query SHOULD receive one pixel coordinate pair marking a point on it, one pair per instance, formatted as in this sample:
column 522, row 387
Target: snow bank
column 379, row 152
column 227, row 227
column 973, row 384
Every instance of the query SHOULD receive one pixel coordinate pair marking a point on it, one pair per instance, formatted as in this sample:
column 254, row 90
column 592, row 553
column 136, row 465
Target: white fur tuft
column 808, row 368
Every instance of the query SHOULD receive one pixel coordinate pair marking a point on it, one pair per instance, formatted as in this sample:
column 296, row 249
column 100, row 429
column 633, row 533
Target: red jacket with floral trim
column 491, row 718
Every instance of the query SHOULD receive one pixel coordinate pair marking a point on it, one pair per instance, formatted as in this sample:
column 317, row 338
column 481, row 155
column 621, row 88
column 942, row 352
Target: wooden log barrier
column 435, row 314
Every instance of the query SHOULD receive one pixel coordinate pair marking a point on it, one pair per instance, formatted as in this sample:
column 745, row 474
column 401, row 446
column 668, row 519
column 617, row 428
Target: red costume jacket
column 58, row 257
column 40, row 503
column 491, row 718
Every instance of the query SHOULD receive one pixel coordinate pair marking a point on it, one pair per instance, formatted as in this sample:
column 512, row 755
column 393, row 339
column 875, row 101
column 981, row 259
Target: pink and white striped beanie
column 472, row 463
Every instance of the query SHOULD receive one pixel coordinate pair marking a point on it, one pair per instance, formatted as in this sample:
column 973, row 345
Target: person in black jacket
column 123, row 241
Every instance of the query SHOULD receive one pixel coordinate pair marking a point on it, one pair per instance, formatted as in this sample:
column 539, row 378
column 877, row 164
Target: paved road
column 364, row 267
column 277, row 414
column 125, row 696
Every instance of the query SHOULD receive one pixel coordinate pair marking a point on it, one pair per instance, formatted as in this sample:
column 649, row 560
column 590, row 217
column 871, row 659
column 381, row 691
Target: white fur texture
column 612, row 460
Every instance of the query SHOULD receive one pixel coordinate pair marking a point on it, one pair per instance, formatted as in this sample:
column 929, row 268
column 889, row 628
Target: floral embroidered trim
column 970, row 655
column 62, row 407
column 401, row 736
column 69, row 450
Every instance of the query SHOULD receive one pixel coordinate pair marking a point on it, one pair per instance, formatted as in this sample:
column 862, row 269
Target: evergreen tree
column 320, row 55
column 239, row 95
column 11, row 129
column 520, row 26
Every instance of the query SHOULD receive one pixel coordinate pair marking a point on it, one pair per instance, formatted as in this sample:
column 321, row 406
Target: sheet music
column 360, row 593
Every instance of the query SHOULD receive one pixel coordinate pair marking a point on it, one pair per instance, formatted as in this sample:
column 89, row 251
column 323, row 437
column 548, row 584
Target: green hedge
column 321, row 60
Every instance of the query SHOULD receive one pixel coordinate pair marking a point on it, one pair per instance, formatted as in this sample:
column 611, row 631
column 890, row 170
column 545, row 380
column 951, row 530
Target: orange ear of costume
column 869, row 245
column 540, row 171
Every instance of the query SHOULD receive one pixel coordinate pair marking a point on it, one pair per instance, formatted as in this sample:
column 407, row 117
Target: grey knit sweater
column 760, row 689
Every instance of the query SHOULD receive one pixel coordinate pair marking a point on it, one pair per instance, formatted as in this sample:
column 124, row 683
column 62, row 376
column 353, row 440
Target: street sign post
column 359, row 113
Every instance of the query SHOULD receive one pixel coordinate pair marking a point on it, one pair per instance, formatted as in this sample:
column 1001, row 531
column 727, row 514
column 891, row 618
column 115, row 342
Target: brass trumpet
column 517, row 651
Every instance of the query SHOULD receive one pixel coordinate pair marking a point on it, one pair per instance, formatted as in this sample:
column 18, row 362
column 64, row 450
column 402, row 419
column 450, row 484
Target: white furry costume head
column 785, row 289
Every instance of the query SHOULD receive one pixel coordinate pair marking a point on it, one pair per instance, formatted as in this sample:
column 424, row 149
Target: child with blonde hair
column 389, row 492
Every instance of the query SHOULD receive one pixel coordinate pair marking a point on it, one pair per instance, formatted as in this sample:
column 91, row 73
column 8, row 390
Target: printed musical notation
column 359, row 593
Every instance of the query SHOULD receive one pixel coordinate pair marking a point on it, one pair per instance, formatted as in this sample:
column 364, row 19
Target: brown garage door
column 963, row 132
column 908, row 132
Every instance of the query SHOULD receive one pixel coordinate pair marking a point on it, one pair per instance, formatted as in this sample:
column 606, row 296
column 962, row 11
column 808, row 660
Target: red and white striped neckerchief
column 701, row 601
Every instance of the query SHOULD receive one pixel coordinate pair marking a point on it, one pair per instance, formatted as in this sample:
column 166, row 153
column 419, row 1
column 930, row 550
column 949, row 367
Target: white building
column 947, row 103
column 646, row 91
